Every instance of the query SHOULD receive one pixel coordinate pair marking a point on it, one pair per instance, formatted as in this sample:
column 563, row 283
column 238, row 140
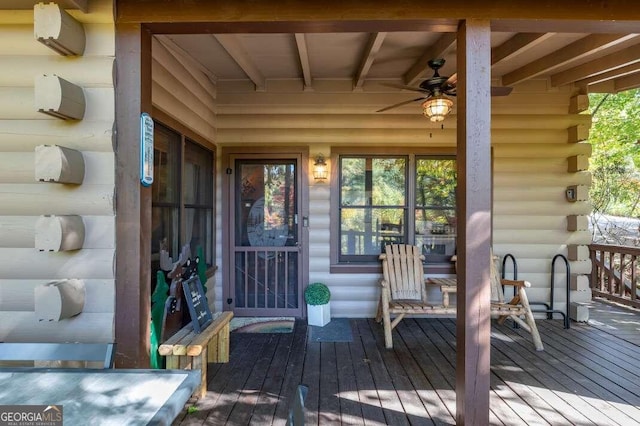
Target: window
column 389, row 199
column 198, row 199
column 373, row 205
column 435, row 208
column 182, row 196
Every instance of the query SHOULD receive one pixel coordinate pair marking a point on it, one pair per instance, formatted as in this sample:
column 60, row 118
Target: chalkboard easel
column 197, row 303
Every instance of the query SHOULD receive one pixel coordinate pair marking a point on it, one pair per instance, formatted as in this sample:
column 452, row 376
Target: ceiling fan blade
column 400, row 86
column 401, row 103
column 451, row 81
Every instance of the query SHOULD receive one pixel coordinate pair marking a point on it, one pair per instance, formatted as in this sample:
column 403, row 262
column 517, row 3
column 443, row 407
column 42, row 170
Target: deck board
column 587, row 375
column 559, row 384
column 248, row 399
column 329, row 401
column 435, row 367
column 271, row 389
column 599, row 371
column 311, row 378
column 350, row 411
column 514, row 399
column 370, row 404
column 392, row 406
column 230, row 394
column 582, row 384
column 293, row 378
column 411, row 402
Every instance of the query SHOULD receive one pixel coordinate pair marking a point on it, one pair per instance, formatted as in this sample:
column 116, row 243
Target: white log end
column 58, row 30
column 59, row 300
column 59, row 233
column 58, row 164
column 59, row 98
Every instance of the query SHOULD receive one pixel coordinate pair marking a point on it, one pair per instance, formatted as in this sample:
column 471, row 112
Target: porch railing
column 615, row 273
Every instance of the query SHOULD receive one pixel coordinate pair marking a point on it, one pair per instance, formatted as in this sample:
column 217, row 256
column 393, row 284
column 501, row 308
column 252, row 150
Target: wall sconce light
column 320, row 169
column 437, row 107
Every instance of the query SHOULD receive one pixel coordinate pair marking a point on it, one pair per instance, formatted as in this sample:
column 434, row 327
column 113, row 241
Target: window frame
column 187, row 136
column 364, row 259
column 412, row 154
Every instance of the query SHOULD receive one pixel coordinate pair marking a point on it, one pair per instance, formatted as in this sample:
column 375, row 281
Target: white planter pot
column 319, row 315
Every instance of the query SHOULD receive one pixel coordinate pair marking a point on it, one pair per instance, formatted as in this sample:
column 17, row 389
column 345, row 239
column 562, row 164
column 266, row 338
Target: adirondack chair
column 404, row 293
column 514, row 309
column 517, row 307
column 403, row 288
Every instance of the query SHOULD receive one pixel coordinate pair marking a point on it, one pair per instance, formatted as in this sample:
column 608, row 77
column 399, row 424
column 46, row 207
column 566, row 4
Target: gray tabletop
column 102, row 397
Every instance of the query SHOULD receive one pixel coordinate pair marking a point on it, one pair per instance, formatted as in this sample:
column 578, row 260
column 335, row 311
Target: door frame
column 228, row 157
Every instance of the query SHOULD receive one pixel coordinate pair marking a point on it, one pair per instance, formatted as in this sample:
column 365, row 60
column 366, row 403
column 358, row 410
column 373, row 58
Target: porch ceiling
column 593, row 61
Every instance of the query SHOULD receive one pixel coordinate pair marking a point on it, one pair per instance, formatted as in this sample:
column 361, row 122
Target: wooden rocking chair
column 404, row 292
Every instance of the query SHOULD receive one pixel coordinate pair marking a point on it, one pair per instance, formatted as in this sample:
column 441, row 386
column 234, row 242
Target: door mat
column 338, row 330
column 262, row 325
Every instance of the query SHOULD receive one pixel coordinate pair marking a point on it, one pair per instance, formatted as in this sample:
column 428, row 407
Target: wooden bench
column 189, row 350
column 89, row 352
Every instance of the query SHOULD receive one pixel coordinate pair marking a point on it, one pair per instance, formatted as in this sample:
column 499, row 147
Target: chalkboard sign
column 197, row 303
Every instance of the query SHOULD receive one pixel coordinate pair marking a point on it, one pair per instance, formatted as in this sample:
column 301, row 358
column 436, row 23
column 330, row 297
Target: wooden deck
column 588, row 375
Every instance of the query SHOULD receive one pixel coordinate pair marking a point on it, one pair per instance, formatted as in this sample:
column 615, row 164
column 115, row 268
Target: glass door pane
column 266, row 231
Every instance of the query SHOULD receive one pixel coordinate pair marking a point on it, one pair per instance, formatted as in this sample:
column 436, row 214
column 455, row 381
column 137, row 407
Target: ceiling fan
column 435, row 91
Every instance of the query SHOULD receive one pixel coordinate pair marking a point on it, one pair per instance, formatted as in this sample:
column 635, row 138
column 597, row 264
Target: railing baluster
column 614, row 273
column 621, row 284
column 265, row 279
column 255, row 279
column 246, row 279
column 634, row 285
column 602, row 256
column 286, row 274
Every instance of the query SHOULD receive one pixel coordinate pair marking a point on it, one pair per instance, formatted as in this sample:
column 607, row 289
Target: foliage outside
column 374, row 199
column 615, row 163
column 317, row 294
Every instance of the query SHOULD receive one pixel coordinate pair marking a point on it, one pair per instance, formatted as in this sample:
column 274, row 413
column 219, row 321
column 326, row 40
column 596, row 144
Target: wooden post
column 133, row 201
column 474, row 222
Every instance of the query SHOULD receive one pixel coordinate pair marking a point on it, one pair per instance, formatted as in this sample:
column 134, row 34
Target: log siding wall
column 23, row 200
column 533, row 134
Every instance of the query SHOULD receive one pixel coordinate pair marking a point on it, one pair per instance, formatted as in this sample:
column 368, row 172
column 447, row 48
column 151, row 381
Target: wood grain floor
column 588, row 375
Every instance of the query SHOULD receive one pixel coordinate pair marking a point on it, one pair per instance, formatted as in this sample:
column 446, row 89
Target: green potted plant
column 317, row 296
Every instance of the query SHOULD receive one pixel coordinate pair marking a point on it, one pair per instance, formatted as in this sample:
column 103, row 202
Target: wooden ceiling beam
column 182, row 55
column 516, row 45
column 613, row 61
column 370, row 53
column 610, row 75
column 628, row 82
column 560, row 12
column 604, row 87
column 571, row 25
column 436, row 50
column 577, row 50
column 303, row 56
column 234, row 48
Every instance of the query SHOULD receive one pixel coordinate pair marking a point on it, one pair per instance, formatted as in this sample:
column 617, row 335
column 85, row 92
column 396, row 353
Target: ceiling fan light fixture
column 437, row 108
